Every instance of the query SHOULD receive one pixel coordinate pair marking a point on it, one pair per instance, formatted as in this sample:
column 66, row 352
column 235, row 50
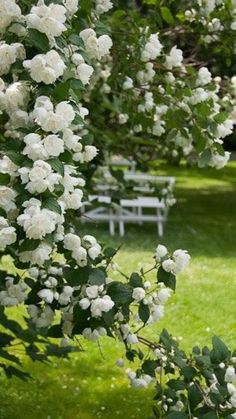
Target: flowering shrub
column 53, row 57
column 164, row 92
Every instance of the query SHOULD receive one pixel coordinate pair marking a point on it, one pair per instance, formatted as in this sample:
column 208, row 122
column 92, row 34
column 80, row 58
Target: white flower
column 161, row 251
column 132, row 339
column 100, row 305
column 65, row 296
column 71, row 6
column 120, row 363
column 51, row 120
column 96, row 47
column 51, row 281
column 9, row 55
column 157, row 313
column 7, row 234
column 84, row 303
column 47, row 19
column 92, row 291
column 45, row 68
column 37, row 256
column 9, row 12
column 128, row 83
column 53, row 145
column 90, row 152
column 34, row 147
column 72, row 200
column 94, row 251
column 175, row 58
column 123, row 118
column 219, row 161
column 37, row 222
column 7, row 166
column 72, row 242
column 84, row 72
column 103, row 46
column 138, row 294
column 230, row 375
column 14, row 293
column 90, row 334
column 152, row 49
column 89, row 241
column 41, row 317
column 168, row 265
column 34, row 272
column 181, row 259
column 139, row 383
column 46, row 295
column 103, row 6
column 7, row 196
column 163, row 295
column 204, row 77
column 40, row 177
column 16, row 96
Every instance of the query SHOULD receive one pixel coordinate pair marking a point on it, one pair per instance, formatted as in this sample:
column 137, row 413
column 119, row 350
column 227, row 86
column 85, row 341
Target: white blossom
column 138, row 294
column 161, row 251
column 47, row 19
column 175, row 58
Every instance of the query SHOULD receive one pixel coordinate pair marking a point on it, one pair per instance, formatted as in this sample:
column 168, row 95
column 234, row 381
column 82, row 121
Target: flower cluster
column 14, row 293
column 46, row 68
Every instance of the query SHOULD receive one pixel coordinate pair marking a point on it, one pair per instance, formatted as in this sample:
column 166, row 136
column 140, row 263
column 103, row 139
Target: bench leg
column 111, row 227
column 122, row 228
column 160, row 224
column 160, row 228
column 140, row 213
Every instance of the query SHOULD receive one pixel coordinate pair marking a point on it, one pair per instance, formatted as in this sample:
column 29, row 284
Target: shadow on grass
column 78, row 389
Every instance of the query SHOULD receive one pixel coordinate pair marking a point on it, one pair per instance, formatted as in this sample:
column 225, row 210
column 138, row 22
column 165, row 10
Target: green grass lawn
column 90, row 385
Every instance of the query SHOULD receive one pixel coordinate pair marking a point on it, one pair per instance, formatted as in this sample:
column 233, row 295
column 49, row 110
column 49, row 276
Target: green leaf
column 144, row 312
column 61, row 91
column 136, row 280
column 221, row 117
column 167, row 15
column 28, row 245
column 77, row 276
column 167, row 278
column 97, row 277
column 109, row 252
column 87, row 139
column 120, row 293
column 149, row 367
column 188, row 373
column 52, row 205
column 15, row 157
column 194, row 395
column 57, row 165
column 212, row 415
column 205, row 158
column 78, row 120
column 177, row 384
column 220, row 351
column 76, row 84
column 76, row 40
column 39, row 40
column 4, row 179
column 177, row 415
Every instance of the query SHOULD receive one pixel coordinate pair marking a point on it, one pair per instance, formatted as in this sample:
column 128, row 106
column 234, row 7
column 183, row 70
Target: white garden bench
column 143, row 208
column 128, row 210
